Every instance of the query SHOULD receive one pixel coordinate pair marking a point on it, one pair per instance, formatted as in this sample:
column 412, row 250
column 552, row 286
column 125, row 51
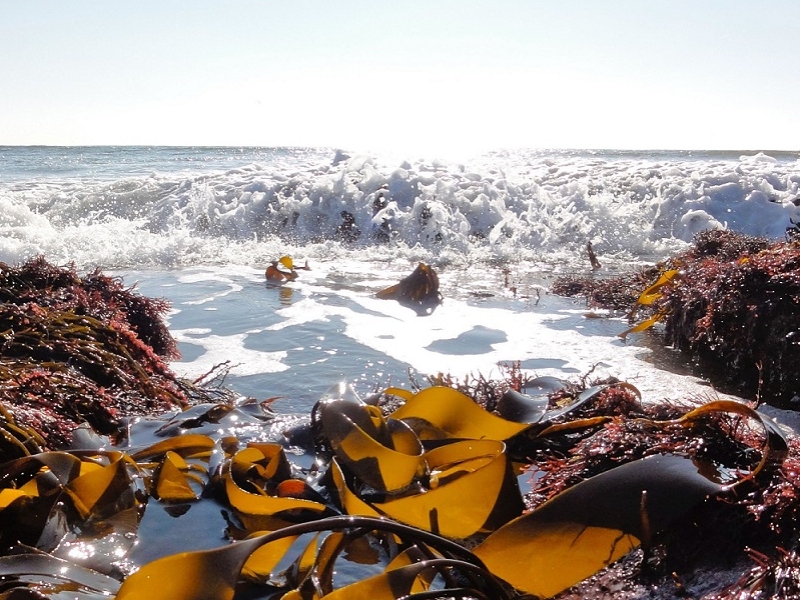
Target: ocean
column 198, row 226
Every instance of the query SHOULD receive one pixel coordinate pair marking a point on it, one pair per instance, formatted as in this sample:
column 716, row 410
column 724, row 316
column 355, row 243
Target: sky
column 419, row 75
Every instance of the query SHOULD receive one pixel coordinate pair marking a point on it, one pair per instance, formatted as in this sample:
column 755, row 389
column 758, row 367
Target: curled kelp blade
column 471, row 490
column 586, row 397
column 594, row 523
column 100, row 487
column 441, row 412
column 93, row 486
column 775, row 447
column 521, row 408
column 387, row 456
column 529, row 407
column 174, row 480
column 257, row 500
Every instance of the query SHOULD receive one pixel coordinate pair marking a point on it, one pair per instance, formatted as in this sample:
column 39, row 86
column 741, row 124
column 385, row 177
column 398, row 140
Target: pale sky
column 370, row 74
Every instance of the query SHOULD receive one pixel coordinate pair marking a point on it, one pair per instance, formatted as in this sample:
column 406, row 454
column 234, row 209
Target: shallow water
column 296, row 340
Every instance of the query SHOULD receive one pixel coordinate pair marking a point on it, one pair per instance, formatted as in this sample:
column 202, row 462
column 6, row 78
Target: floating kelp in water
column 420, row 290
column 284, row 269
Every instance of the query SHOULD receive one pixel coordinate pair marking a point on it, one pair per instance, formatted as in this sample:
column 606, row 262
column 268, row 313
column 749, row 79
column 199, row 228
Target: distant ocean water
column 198, row 226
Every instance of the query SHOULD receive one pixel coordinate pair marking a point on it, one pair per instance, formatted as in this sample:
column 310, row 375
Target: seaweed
column 80, row 349
column 417, row 490
column 733, row 306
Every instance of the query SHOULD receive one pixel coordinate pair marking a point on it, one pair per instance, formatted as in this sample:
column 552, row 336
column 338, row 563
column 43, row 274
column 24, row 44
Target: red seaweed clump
column 616, row 293
column 736, row 306
column 79, row 350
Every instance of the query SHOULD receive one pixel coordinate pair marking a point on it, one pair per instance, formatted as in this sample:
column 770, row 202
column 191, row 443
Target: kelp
column 419, row 290
column 524, row 488
column 414, row 525
column 284, row 269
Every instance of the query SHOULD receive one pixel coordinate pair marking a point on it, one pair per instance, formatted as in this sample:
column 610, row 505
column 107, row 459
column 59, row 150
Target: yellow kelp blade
column 471, row 490
column 60, row 469
column 269, row 459
column 9, row 496
column 775, row 447
column 97, row 483
column 389, row 585
column 262, row 562
column 399, row 392
column 173, row 480
column 644, row 325
column 201, row 575
column 653, row 293
column 387, row 458
column 440, row 411
column 286, row 261
column 594, row 523
column 262, row 512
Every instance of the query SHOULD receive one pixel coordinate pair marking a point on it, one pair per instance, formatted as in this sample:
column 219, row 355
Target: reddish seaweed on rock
column 79, row 350
column 734, row 306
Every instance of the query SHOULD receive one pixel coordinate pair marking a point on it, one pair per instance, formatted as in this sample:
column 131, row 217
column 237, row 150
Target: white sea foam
column 226, row 350
column 514, row 207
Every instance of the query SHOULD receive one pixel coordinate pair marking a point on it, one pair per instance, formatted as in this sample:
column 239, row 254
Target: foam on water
column 296, row 340
column 166, row 207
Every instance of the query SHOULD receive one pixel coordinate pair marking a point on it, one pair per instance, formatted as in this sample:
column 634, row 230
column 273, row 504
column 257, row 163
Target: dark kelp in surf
column 419, row 290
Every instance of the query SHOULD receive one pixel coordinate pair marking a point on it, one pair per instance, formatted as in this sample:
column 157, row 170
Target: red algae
column 79, row 350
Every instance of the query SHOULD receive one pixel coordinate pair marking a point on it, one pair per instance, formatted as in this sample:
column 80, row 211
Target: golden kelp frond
column 253, row 479
column 442, row 412
column 653, row 293
column 649, row 297
column 384, row 453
